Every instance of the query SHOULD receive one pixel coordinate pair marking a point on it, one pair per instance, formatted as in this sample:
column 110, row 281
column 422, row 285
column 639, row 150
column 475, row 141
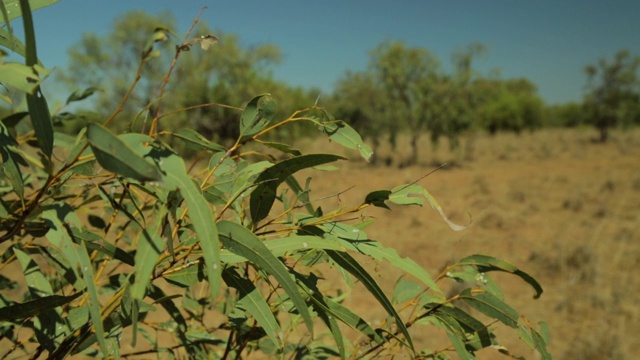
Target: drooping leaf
column 86, row 268
column 285, row 148
column 10, row 41
column 37, row 104
column 36, row 281
column 10, row 161
column 330, row 311
column 415, row 194
column 115, row 156
column 239, row 240
column 185, row 276
column 201, row 215
column 150, row 246
column 81, row 94
column 14, row 10
column 345, row 135
column 20, row 76
column 95, row 242
column 250, row 299
column 257, row 115
column 491, row 306
column 194, row 140
column 377, row 251
column 378, row 198
column 486, row 263
column 348, row 263
column 264, row 195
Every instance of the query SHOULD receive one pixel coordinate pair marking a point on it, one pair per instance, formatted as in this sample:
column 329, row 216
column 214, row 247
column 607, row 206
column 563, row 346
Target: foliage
column 120, row 242
column 405, row 89
column 228, row 79
column 613, row 92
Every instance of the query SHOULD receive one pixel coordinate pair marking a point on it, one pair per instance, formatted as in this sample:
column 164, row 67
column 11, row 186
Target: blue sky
column 547, row 41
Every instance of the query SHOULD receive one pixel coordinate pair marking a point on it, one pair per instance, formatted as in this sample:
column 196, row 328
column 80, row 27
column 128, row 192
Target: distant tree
column 227, row 73
column 99, row 62
column 612, row 93
column 363, row 104
column 510, row 105
column 408, row 77
column 571, row 114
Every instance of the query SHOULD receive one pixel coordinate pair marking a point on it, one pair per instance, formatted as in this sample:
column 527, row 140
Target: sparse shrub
column 128, row 249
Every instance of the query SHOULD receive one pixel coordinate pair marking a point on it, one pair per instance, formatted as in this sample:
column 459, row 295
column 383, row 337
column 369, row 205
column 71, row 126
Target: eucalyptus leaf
column 264, row 195
column 115, row 156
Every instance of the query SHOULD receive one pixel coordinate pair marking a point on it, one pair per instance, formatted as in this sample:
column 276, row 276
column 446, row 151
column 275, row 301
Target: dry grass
column 554, row 203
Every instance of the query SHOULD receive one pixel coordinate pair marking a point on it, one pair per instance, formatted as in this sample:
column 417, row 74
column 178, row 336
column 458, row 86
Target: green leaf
column 11, row 42
column 378, row 198
column 14, row 10
column 81, row 94
column 250, row 299
column 36, row 281
column 348, row 263
column 22, row 77
column 94, row 304
column 10, row 161
column 150, row 246
column 459, row 346
column 345, row 135
column 264, row 195
column 377, row 251
column 115, row 156
column 486, row 263
column 239, row 240
column 257, row 115
column 415, row 194
column 285, row 148
column 199, row 212
column 330, row 310
column 37, row 104
column 185, row 276
column 95, row 242
column 196, row 141
column 491, row 306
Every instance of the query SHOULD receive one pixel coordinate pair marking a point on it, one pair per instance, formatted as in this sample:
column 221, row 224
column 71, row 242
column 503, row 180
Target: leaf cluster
column 120, row 239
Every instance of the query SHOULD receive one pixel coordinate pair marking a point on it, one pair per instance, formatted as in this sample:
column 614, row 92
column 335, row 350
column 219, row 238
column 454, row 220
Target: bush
column 123, row 242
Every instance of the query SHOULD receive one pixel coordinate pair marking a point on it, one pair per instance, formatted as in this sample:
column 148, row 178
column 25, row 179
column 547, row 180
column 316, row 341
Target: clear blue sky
column 547, row 41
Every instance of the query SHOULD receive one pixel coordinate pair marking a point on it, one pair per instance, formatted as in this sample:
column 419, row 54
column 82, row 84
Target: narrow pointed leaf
column 200, row 214
column 264, row 195
column 239, row 240
column 15, row 11
column 379, row 252
column 94, row 304
column 115, row 156
column 415, row 194
column 36, row 281
column 491, row 306
column 19, row 76
column 10, row 160
column 81, row 94
column 34, row 307
column 37, row 104
column 258, row 113
column 150, row 246
column 194, row 140
column 348, row 263
column 252, row 301
column 486, row 263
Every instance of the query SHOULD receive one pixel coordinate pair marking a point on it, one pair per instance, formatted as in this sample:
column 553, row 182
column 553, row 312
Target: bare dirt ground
column 554, row 203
